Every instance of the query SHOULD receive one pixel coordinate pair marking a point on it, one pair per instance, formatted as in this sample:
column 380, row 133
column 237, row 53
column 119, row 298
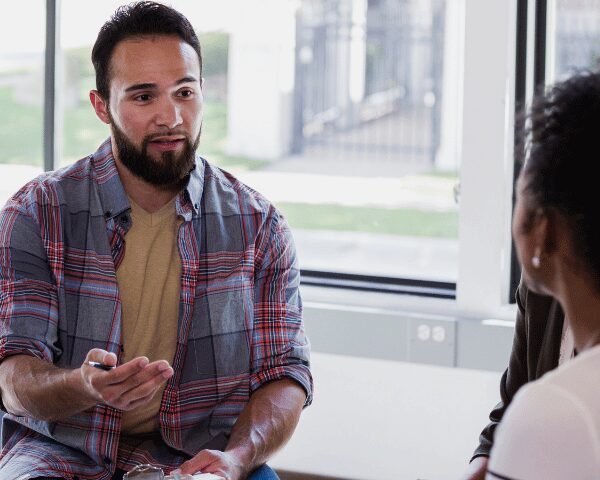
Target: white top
column 567, row 344
column 551, row 430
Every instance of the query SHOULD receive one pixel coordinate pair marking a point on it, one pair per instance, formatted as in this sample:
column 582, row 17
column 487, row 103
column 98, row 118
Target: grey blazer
column 535, row 351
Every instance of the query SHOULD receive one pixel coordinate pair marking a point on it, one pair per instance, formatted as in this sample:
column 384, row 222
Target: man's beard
column 169, row 171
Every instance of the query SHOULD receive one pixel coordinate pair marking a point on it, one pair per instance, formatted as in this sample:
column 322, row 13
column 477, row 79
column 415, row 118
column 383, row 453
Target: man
column 176, row 280
column 541, row 342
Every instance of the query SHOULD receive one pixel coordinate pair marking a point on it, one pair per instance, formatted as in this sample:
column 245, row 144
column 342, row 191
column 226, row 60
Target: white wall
column 487, row 156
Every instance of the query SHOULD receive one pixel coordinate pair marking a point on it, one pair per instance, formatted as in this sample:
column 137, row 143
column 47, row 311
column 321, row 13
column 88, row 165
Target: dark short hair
column 134, row 20
column 562, row 168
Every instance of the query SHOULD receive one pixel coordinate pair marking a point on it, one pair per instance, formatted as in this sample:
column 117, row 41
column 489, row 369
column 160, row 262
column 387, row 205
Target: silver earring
column 535, row 260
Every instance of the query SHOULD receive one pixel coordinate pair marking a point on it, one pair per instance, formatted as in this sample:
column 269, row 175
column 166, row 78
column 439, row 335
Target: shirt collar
column 195, row 186
column 113, row 197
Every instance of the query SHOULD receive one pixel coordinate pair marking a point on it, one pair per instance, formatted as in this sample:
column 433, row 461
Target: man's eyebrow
column 153, row 86
column 186, row 80
column 141, row 86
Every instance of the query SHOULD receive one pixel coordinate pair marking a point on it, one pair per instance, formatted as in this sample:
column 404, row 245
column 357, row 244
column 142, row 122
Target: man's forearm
column 266, row 423
column 34, row 388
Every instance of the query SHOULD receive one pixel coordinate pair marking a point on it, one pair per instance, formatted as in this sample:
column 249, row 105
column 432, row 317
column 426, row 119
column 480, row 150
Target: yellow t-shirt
column 149, row 286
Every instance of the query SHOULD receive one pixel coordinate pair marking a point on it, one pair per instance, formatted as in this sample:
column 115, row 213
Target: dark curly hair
column 562, row 167
column 134, row 20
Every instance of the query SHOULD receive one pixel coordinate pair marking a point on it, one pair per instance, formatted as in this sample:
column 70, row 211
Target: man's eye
column 144, row 97
column 186, row 93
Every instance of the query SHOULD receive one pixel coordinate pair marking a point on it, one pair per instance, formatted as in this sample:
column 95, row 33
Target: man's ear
column 100, row 106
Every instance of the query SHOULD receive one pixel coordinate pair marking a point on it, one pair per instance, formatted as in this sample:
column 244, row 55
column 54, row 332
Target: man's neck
column 150, row 197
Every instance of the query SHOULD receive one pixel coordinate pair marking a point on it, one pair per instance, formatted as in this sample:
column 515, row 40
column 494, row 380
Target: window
column 351, row 118
column 21, row 94
column 346, row 119
column 357, row 118
column 573, row 37
column 566, row 40
column 79, row 130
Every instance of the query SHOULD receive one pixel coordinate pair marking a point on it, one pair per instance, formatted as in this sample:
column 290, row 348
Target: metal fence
column 577, row 36
column 369, row 78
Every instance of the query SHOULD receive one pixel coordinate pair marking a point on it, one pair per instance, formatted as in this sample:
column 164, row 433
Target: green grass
column 396, row 221
column 442, row 174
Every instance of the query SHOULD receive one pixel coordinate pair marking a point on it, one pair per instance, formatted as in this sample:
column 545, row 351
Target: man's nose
column 168, row 114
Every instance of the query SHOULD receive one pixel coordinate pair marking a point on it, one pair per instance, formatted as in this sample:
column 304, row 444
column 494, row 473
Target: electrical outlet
column 432, row 341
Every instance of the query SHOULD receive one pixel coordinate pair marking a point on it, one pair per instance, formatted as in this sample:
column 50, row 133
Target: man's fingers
column 120, row 379
column 159, row 369
column 131, row 384
column 101, row 356
column 152, row 378
column 145, row 389
column 125, row 372
column 110, row 359
column 120, row 373
column 202, row 462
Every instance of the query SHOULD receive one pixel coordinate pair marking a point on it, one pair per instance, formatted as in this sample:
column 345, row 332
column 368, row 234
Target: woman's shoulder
column 548, row 432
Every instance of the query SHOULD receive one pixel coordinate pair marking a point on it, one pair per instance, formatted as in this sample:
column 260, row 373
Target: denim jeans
column 263, row 473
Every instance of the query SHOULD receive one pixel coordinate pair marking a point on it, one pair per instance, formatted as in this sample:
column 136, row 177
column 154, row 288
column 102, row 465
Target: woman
column 552, row 428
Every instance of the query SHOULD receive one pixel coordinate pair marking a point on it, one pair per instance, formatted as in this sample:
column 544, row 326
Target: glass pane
column 21, row 93
column 574, row 37
column 368, row 176
column 343, row 113
column 78, row 129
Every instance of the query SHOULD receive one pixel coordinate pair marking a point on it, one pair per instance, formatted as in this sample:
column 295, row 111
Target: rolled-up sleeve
column 280, row 347
column 28, row 295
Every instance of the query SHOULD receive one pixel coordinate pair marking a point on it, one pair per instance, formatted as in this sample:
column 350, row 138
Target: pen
column 99, row 365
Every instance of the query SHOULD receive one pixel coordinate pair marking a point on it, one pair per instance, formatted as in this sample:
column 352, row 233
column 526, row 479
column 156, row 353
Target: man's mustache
column 167, row 133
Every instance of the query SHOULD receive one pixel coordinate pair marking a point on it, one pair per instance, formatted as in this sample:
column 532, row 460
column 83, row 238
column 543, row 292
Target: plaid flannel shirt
column 240, row 323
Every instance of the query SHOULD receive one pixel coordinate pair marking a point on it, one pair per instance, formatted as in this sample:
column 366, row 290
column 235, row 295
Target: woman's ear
column 544, row 230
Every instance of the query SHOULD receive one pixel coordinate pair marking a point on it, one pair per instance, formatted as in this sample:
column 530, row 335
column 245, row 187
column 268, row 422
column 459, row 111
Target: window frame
column 529, row 80
column 50, row 74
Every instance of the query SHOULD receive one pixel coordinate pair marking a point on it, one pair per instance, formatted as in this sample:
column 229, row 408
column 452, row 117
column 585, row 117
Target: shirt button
column 107, row 460
column 107, row 214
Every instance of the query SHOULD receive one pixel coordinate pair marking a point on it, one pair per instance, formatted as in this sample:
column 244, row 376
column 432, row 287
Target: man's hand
column 263, row 427
column 477, row 469
column 223, row 464
column 127, row 386
column 35, row 388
